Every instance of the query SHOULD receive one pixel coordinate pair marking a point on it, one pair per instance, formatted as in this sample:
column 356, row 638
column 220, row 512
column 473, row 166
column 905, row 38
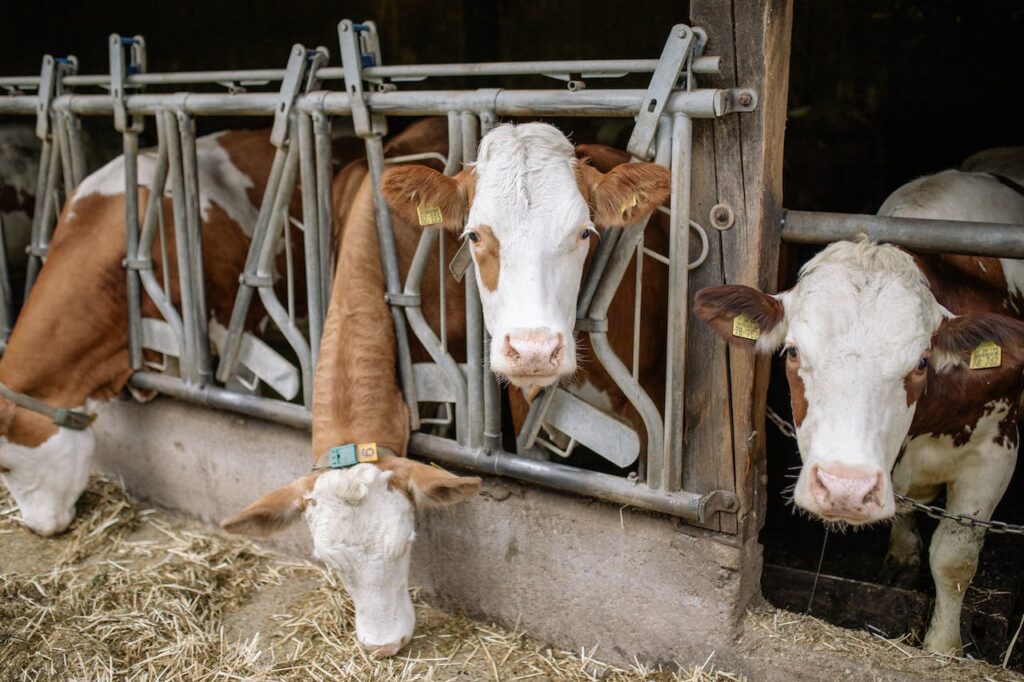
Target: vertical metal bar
column 194, row 224
column 73, row 127
column 669, row 474
column 475, row 358
column 389, row 261
column 42, row 219
column 6, row 298
column 189, row 365
column 61, row 135
column 325, row 208
column 638, row 292
column 243, row 299
column 492, row 392
column 311, row 234
column 131, row 227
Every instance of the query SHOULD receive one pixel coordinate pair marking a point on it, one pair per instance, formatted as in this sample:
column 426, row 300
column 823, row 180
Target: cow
column 69, row 347
column 905, row 375
column 530, row 211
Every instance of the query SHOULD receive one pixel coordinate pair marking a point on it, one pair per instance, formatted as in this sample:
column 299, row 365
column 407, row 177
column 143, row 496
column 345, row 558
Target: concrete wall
column 572, row 571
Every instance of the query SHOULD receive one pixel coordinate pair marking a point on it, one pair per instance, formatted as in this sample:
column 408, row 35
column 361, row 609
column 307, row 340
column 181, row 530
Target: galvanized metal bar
column 278, row 228
column 667, row 474
column 392, row 277
column 143, row 256
column 60, row 135
column 687, row 505
column 189, row 314
column 131, row 226
column 325, row 208
column 73, row 128
column 594, row 68
column 194, row 224
column 6, row 296
column 421, row 328
column 931, row 236
column 595, row 272
column 243, row 299
column 42, row 218
column 474, row 313
column 673, row 58
column 213, row 396
column 311, row 232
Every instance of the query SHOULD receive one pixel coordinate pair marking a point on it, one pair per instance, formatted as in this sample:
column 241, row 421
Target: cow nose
column 534, row 350
column 852, row 493
column 385, row 650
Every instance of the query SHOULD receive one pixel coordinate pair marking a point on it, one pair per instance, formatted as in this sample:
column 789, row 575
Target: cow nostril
column 510, row 352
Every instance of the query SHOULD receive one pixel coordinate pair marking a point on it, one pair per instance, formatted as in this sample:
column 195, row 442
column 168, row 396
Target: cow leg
column 955, row 548
column 903, row 561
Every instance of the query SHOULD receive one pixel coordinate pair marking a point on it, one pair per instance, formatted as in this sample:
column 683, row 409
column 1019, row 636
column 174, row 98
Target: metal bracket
column 360, row 48
column 404, row 300
column 137, row 264
column 51, row 76
column 714, row 502
column 255, row 281
column 675, row 56
column 460, row 262
column 591, row 326
column 119, row 72
column 291, row 85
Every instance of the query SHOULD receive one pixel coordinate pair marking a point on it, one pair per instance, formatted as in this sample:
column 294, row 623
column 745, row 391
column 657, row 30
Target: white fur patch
column 220, row 182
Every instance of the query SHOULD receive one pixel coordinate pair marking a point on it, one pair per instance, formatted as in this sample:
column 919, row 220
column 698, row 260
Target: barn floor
column 135, row 593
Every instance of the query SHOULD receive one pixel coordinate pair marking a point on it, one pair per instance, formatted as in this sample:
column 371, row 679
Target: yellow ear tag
column 986, row 355
column 429, row 215
column 626, row 207
column 744, row 327
column 366, row 452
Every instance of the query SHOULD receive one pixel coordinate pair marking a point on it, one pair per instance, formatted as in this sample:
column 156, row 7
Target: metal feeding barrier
column 233, row 368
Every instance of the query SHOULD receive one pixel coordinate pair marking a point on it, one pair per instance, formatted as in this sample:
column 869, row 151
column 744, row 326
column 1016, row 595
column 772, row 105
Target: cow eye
column 922, row 364
column 587, row 233
column 791, row 352
column 472, row 236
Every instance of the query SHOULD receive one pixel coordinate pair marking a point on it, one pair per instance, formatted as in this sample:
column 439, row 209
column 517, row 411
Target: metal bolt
column 722, row 216
column 746, row 99
column 683, row 33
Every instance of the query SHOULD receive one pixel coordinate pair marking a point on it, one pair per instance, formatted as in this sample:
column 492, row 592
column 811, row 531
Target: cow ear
column 958, row 338
column 624, row 195
column 273, row 511
column 422, row 196
column 762, row 325
column 428, row 486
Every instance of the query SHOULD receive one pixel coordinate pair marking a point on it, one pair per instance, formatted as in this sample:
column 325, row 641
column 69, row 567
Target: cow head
column 529, row 211
column 362, row 520
column 864, row 339
column 46, row 471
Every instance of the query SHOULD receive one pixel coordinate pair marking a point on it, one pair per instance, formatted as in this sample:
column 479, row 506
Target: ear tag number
column 744, row 327
column 350, row 454
column 429, row 215
column 627, row 206
column 987, row 354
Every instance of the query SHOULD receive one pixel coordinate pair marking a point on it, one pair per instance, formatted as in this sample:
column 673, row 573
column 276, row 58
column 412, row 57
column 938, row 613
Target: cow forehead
column 356, row 509
column 849, row 306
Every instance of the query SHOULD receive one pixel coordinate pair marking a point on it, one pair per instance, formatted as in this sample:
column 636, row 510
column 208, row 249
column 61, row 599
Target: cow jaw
column 859, row 320
column 364, row 529
column 529, row 230
column 46, row 481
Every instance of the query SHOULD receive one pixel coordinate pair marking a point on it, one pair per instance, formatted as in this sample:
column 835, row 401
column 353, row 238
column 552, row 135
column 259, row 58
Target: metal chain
column 929, row 510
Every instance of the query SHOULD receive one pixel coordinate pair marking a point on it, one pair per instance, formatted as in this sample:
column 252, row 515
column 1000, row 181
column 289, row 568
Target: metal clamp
column 51, row 77
column 360, row 48
column 137, row 264
column 291, row 85
column 675, row 56
column 714, row 502
column 591, row 325
column 404, row 300
column 255, row 281
column 119, row 72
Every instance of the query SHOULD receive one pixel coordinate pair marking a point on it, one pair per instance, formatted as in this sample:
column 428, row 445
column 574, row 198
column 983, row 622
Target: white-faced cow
column 529, row 209
column 905, row 374
column 69, row 348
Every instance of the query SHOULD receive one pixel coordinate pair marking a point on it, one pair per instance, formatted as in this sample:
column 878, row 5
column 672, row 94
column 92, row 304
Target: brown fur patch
column 624, row 195
column 487, row 254
column 798, row 399
column 914, row 384
column 273, row 511
column 718, row 306
column 410, row 186
column 426, row 485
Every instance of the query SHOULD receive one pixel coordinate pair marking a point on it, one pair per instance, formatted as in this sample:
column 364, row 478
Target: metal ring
column 703, row 246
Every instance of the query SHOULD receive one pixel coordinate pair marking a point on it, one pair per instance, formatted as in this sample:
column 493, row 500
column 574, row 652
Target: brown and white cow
column 885, row 392
column 69, row 347
column 529, row 209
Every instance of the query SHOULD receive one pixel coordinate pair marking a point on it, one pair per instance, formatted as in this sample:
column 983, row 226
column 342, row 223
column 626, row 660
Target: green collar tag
column 350, row 454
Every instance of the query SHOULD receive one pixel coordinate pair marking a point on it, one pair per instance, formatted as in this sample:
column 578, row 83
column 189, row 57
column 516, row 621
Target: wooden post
column 738, row 162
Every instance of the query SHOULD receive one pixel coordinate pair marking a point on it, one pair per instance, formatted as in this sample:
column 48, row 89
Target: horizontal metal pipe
column 615, row 489
column 706, row 103
column 932, row 236
column 592, row 68
column 212, row 396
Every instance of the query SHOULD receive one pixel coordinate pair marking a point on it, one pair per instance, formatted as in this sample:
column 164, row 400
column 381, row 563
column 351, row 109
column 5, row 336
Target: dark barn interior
column 880, row 92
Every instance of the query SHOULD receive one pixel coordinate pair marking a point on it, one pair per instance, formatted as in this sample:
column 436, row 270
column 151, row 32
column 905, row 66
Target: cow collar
column 348, row 455
column 61, row 416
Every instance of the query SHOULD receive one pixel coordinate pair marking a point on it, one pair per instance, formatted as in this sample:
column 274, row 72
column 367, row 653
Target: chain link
column 928, row 510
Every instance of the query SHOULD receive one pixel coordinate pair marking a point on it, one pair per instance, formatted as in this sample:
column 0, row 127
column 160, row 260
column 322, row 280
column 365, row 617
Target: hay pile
column 136, row 594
